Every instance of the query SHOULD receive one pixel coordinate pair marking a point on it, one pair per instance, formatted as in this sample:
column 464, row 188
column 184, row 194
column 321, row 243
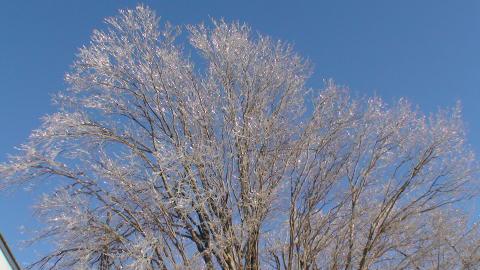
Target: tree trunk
column 251, row 256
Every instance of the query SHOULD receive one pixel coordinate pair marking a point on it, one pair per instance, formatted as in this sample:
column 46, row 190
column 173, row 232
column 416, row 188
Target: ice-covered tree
column 233, row 163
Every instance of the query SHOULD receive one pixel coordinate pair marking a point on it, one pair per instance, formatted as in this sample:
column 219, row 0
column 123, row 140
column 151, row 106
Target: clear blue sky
column 426, row 51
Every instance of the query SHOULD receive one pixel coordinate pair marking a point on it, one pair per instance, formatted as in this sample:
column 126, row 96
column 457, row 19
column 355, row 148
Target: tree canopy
column 214, row 154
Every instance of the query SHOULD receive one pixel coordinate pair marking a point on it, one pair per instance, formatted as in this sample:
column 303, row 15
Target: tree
column 235, row 164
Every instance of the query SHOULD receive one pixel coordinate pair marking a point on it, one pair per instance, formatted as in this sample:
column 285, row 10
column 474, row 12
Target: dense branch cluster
column 235, row 164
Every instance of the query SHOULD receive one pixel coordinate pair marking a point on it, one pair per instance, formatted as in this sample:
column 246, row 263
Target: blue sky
column 426, row 51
